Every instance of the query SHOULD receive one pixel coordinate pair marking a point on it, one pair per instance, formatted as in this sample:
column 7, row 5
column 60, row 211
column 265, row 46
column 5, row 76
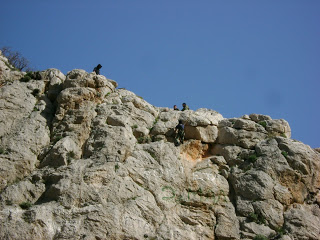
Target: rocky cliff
column 81, row 159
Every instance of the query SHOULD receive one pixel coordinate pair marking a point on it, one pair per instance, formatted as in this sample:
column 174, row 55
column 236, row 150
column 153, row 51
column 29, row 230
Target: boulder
column 253, row 185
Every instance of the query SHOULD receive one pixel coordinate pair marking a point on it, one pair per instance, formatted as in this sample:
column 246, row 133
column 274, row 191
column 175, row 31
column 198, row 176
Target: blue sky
column 235, row 57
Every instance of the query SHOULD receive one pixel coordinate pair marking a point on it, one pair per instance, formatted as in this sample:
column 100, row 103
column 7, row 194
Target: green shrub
column 116, row 167
column 283, row 135
column 134, row 126
column 257, row 218
column 25, row 205
column 35, row 92
column 280, row 231
column 285, row 154
column 4, row 151
column 71, row 154
column 57, row 138
column 156, row 139
column 25, row 78
column 252, row 158
column 152, row 154
column 260, row 237
column 263, row 124
column 143, row 140
column 155, row 121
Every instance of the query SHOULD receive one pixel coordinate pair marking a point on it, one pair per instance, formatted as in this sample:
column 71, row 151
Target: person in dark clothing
column 97, row 69
column 185, row 107
column 179, row 131
column 175, row 108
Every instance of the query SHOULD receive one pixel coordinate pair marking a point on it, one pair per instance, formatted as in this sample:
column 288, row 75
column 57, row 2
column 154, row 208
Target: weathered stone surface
column 206, row 134
column 242, row 138
column 56, row 79
column 228, row 224
column 303, row 222
column 272, row 211
column 62, row 153
column 283, row 195
column 244, row 207
column 258, row 229
column 279, row 127
column 253, row 185
column 200, row 117
column 259, row 117
column 24, row 129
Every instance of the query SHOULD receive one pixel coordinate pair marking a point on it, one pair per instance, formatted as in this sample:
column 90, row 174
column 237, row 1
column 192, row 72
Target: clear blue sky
column 236, row 57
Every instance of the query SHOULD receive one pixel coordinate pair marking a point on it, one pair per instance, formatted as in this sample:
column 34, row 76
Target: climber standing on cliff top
column 179, row 131
column 97, row 69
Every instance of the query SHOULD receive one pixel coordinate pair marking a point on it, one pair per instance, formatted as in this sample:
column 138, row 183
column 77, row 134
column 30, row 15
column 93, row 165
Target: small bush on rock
column 252, row 158
column 25, row 78
column 260, row 237
column 25, row 205
column 143, row 140
column 257, row 218
column 263, row 124
column 285, row 154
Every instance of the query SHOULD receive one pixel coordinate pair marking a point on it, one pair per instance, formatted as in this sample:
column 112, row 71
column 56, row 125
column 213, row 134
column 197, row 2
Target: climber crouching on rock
column 179, row 133
column 97, row 69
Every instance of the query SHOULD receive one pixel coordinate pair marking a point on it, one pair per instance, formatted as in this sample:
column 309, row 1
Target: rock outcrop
column 81, row 159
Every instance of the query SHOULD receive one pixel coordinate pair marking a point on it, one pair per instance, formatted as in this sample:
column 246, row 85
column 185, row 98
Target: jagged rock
column 278, row 127
column 258, row 229
column 219, row 160
column 242, row 138
column 244, row 207
column 56, row 79
column 62, row 153
column 253, row 185
column 200, row 117
column 303, row 159
column 24, row 129
column 228, row 224
column 114, row 143
column 206, row 134
column 23, row 192
column 272, row 211
column 302, row 222
column 80, row 159
column 259, row 117
column 282, row 194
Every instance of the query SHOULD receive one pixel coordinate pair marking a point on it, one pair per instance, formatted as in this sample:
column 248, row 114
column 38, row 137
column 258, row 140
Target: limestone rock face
column 81, row 159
